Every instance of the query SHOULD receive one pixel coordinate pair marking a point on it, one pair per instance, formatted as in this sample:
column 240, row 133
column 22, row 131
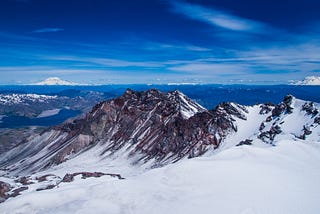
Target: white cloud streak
column 48, row 30
column 217, row 18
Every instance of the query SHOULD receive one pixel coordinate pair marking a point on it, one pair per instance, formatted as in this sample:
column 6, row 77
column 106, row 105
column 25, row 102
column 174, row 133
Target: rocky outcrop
column 266, row 108
column 310, row 109
column 245, row 142
column 70, row 177
column 44, row 182
column 268, row 136
column 4, row 189
column 283, row 107
column 7, row 191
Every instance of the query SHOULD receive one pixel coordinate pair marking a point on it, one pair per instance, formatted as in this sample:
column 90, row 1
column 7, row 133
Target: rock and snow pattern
column 12, row 99
column 154, row 152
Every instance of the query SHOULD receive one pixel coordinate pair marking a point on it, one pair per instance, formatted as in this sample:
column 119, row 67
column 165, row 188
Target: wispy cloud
column 47, row 30
column 217, row 17
column 295, row 61
column 108, row 62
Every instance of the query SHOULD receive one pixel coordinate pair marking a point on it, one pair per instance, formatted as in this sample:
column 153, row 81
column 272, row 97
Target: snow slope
column 245, row 179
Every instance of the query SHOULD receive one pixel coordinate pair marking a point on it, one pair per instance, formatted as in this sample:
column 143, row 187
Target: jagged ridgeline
column 158, row 128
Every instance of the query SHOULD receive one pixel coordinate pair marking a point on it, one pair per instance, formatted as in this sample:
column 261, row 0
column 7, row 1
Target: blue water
column 20, row 121
column 207, row 95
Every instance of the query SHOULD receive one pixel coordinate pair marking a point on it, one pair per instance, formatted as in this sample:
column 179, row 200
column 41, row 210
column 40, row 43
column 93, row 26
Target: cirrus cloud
column 217, row 17
column 47, row 30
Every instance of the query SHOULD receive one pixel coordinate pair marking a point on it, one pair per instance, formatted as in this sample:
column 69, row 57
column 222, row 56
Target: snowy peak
column 55, row 81
column 183, row 105
column 309, row 80
column 187, row 107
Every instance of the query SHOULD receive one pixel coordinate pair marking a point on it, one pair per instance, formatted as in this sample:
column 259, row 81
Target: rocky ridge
column 158, row 128
column 151, row 125
column 151, row 128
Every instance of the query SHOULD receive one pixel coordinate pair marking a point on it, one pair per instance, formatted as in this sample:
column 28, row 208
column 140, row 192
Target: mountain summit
column 310, row 80
column 55, row 81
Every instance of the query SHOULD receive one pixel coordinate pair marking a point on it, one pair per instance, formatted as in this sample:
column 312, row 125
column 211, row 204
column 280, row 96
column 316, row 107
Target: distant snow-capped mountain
column 310, row 80
column 55, row 81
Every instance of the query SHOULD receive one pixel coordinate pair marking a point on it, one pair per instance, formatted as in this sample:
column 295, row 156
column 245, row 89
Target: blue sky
column 158, row 41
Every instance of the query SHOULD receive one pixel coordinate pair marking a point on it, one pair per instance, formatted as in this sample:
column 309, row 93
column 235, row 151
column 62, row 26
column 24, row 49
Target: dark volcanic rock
column 283, row 107
column 266, row 108
column 245, row 142
column 4, row 189
column 288, row 101
column 306, row 131
column 17, row 191
column 268, row 136
column 45, row 177
column 70, row 177
column 278, row 110
column 262, row 126
column 310, row 109
column 24, row 181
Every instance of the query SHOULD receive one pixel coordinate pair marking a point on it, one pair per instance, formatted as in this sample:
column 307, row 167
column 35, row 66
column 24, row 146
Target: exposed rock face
column 164, row 127
column 245, row 142
column 4, row 189
column 283, row 107
column 70, row 177
column 266, row 108
column 310, row 108
column 268, row 136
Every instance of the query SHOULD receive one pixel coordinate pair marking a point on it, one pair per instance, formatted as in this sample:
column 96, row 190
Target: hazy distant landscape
column 74, row 100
